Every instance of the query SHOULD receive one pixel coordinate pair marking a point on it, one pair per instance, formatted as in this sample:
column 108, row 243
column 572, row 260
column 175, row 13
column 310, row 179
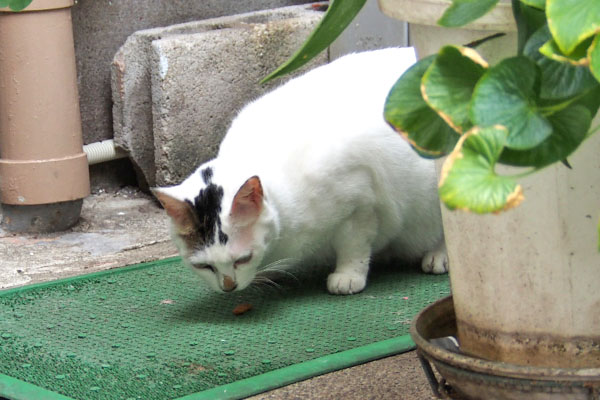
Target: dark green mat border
column 16, row 389
column 308, row 369
column 19, row 390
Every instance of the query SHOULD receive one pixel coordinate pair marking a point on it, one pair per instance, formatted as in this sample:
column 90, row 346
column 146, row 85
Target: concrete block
column 175, row 90
column 101, row 27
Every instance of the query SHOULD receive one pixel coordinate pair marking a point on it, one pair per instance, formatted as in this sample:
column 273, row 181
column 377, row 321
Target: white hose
column 103, row 151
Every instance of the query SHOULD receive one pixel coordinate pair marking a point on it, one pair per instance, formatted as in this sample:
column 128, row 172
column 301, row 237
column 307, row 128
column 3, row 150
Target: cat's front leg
column 348, row 280
column 436, row 260
column 352, row 244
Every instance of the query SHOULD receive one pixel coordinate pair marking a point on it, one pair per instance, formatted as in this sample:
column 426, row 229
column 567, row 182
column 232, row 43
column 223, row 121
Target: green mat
column 153, row 331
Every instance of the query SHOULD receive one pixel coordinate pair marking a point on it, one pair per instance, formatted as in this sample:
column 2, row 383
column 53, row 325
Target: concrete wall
column 176, row 89
column 102, row 26
column 370, row 30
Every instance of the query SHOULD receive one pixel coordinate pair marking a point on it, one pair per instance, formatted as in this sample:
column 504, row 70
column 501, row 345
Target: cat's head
column 221, row 232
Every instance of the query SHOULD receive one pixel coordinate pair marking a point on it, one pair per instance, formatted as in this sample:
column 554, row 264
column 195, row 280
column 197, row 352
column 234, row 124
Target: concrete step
column 176, row 89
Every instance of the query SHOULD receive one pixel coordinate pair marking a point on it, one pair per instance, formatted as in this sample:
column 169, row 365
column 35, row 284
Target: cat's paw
column 345, row 283
column 435, row 262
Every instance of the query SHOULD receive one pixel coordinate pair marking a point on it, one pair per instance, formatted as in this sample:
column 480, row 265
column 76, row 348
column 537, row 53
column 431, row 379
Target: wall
column 371, row 29
column 102, row 26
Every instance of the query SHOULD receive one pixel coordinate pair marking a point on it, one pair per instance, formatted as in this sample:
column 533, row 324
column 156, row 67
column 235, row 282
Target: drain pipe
column 43, row 169
column 103, row 151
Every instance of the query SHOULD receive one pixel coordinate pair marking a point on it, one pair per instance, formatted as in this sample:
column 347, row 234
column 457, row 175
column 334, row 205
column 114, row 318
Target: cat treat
column 296, row 185
column 242, row 308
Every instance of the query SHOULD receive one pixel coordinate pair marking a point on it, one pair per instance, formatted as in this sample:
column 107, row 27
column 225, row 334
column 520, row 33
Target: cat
column 311, row 172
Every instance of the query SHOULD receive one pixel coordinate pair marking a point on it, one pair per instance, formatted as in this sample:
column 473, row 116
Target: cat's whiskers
column 283, row 272
column 279, row 266
column 263, row 276
column 257, row 287
column 262, row 281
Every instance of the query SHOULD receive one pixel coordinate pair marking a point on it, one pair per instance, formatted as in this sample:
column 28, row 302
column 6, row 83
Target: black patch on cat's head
column 207, row 206
column 207, row 174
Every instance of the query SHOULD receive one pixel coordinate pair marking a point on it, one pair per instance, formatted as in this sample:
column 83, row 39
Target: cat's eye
column 243, row 260
column 204, row 267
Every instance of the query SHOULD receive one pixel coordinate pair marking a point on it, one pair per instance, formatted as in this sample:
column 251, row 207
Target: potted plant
column 15, row 5
column 518, row 138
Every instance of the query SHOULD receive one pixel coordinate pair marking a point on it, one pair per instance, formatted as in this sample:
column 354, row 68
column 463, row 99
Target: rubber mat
column 154, row 331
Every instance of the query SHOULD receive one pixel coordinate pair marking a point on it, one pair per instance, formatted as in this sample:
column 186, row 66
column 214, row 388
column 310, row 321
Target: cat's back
column 333, row 102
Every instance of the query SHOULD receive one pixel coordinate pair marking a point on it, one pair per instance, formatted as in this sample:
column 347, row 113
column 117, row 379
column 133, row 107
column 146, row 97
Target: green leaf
column 570, row 127
column 539, row 4
column 579, row 56
column 572, row 21
column 17, row 5
column 4, row 3
column 448, row 84
column 559, row 79
column 528, row 20
column 590, row 100
column 468, row 180
column 461, row 12
column 406, row 111
column 338, row 16
column 594, row 57
column 507, row 95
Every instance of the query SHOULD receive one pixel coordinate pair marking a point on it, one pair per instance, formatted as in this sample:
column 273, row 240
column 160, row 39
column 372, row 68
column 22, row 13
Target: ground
column 127, row 227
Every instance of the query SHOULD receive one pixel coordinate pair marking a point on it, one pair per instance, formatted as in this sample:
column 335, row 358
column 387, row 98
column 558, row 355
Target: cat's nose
column 228, row 284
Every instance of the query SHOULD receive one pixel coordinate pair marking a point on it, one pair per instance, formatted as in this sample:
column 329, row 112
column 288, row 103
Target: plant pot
column 525, row 282
column 427, row 37
column 467, row 377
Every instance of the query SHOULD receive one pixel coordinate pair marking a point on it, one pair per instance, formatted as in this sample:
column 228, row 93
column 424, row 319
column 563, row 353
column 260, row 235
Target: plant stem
column 549, row 110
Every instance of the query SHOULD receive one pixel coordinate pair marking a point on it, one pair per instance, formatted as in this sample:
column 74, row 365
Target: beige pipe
column 41, row 155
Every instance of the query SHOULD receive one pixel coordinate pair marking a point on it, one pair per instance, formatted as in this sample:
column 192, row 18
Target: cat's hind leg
column 352, row 244
column 436, row 260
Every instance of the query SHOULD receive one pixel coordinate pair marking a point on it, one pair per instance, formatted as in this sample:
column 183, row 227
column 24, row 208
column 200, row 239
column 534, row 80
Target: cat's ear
column 180, row 211
column 248, row 202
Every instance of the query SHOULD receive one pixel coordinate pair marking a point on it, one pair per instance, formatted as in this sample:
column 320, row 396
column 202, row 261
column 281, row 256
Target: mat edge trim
column 16, row 389
column 305, row 370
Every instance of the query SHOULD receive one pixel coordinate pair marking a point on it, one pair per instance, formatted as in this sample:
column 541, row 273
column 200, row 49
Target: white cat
column 311, row 172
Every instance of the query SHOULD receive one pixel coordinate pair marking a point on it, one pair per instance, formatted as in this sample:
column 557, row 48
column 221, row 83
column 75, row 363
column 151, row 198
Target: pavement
column 124, row 227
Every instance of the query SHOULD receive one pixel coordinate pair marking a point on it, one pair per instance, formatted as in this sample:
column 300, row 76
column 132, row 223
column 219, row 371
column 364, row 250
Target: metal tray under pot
column 469, row 378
